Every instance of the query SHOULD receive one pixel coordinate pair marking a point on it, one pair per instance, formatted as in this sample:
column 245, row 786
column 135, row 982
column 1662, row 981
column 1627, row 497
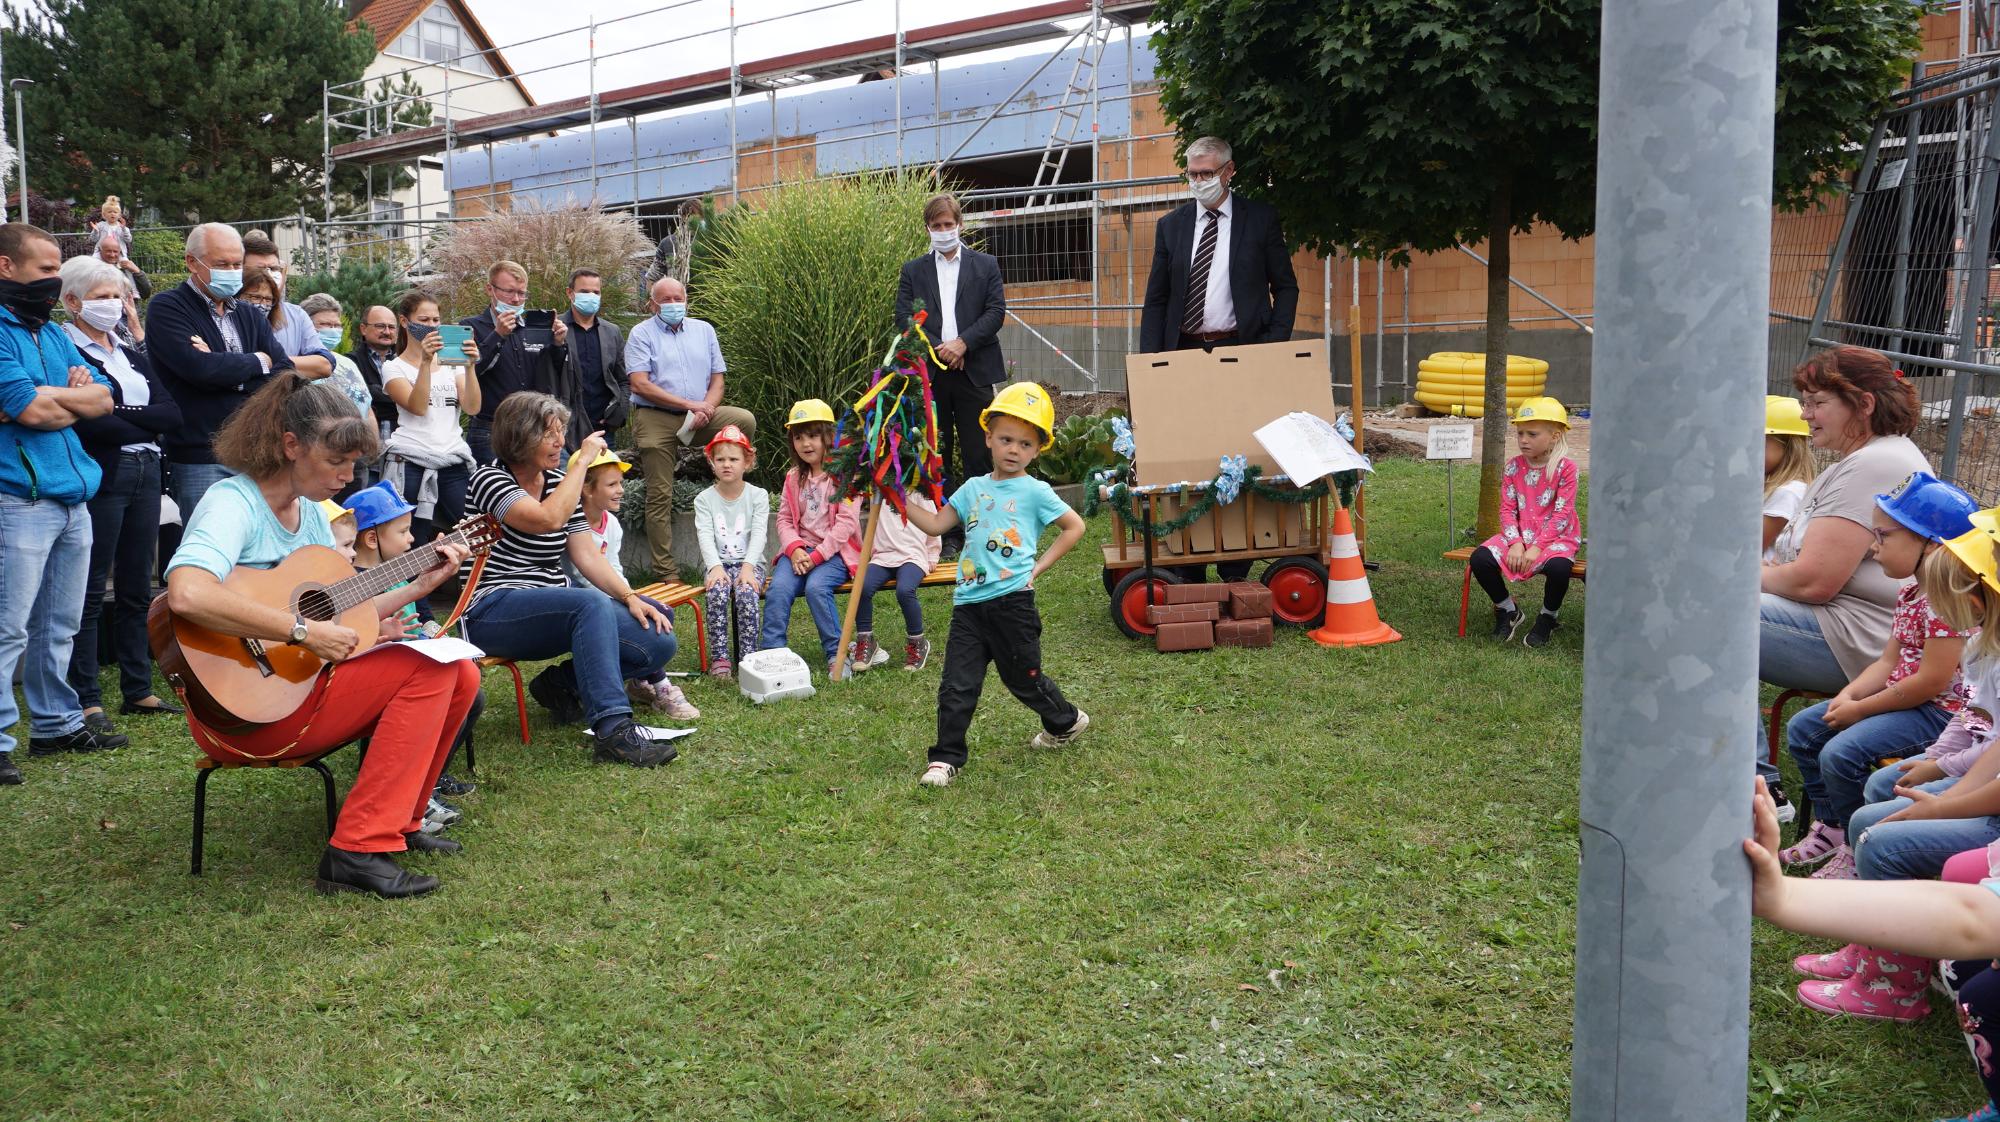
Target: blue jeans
column 605, row 643
column 817, row 586
column 907, row 578
column 191, row 482
column 1911, row 850
column 1792, row 654
column 124, row 530
column 1836, row 765
column 44, row 561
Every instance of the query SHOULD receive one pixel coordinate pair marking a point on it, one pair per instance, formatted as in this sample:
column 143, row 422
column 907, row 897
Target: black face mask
column 31, row 303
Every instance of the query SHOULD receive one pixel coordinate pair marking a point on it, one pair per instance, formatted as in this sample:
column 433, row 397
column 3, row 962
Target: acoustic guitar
column 232, row 683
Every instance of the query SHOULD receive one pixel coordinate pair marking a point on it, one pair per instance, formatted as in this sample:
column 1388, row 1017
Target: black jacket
column 1261, row 284
column 512, row 364
column 371, row 373
column 209, row 386
column 611, row 351
column 982, row 308
column 102, row 437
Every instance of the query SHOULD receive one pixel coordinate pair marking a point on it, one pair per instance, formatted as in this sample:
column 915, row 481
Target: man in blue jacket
column 46, row 479
column 212, row 351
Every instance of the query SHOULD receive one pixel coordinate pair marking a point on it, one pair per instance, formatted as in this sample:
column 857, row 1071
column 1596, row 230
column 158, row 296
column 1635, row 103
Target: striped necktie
column 1197, row 290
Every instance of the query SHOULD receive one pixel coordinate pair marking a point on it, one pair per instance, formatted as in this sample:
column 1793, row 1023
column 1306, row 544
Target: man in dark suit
column 1222, row 274
column 966, row 303
column 375, row 344
column 212, row 351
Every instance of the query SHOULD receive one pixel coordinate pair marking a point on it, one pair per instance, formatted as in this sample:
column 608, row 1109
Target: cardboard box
column 1244, row 633
column 1197, row 594
column 1191, row 408
column 1157, row 614
column 1249, row 600
column 1184, row 636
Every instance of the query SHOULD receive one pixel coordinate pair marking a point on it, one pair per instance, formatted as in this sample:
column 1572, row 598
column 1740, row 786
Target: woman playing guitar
column 292, row 444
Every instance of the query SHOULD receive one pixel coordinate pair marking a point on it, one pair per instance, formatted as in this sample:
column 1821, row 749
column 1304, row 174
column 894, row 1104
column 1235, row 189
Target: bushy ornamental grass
column 550, row 242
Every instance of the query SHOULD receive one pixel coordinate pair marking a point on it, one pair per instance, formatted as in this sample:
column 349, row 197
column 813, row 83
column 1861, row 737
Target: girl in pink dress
column 1539, row 528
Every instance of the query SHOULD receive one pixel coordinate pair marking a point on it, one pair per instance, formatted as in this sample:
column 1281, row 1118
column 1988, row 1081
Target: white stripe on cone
column 1348, row 591
column 1343, row 546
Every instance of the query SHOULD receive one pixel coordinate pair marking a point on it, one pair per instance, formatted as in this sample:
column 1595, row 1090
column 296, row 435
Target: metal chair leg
column 520, row 699
column 326, row 778
column 1465, row 600
column 200, row 814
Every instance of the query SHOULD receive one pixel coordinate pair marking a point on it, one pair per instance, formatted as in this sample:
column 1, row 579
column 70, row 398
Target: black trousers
column 959, row 402
column 1007, row 632
column 125, row 527
column 1555, row 575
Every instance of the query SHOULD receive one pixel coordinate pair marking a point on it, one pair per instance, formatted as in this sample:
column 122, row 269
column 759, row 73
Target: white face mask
column 1207, row 192
column 103, row 314
column 945, row 241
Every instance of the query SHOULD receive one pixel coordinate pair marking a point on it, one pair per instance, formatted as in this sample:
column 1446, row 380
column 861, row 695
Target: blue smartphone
column 454, row 337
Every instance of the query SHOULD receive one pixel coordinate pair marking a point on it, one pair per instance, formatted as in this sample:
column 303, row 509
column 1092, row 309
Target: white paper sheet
column 1308, row 447
column 654, row 732
column 444, row 648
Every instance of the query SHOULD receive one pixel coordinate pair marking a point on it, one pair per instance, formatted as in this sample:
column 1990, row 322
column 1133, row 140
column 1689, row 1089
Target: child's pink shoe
column 1819, row 844
column 1840, row 866
column 1887, row 987
column 1835, row 966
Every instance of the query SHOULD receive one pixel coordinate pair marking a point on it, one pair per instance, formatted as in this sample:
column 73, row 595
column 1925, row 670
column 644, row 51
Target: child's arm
column 753, row 559
column 1915, row 917
column 1975, row 795
column 937, row 522
column 788, row 515
column 845, row 527
column 1071, row 525
column 704, row 533
column 1934, row 674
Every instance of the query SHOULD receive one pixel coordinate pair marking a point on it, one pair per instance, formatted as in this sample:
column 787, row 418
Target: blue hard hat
column 1929, row 507
column 375, row 505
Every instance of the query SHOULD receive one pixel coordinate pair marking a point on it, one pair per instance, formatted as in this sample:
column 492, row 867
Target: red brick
column 1197, row 593
column 1243, row 633
column 1249, row 600
column 1183, row 613
column 1184, row 636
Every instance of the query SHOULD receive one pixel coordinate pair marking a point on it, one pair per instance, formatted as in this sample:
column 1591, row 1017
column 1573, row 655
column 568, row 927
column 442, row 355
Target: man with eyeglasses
column 375, row 344
column 514, row 357
column 1222, row 274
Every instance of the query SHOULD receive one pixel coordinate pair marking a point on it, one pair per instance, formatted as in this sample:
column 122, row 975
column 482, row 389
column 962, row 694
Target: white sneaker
column 865, row 655
column 673, row 702
column 938, row 775
column 1047, row 739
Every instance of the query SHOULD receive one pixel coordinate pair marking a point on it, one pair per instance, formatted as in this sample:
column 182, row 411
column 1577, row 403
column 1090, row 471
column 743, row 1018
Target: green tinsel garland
column 1204, row 500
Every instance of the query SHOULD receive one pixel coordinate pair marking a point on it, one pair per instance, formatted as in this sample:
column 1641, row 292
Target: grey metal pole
column 1979, row 255
column 21, row 130
column 1687, row 93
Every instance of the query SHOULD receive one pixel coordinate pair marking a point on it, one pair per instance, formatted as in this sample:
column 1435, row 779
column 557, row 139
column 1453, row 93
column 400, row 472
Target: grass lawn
column 1276, row 884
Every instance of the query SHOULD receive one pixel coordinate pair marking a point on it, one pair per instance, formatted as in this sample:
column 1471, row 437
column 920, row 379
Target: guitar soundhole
column 315, row 604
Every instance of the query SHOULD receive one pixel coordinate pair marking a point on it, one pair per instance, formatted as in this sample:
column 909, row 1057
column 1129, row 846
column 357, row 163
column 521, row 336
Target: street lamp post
column 21, row 135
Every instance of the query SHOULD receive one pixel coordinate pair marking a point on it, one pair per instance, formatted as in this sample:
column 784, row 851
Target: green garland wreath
column 1121, row 497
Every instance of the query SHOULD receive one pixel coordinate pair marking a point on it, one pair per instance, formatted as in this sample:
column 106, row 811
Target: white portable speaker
column 774, row 675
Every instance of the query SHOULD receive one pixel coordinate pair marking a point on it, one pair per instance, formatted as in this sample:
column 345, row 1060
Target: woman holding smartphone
column 427, row 457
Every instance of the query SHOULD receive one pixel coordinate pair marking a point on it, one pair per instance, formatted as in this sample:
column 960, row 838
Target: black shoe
column 342, row 871
column 10, row 776
column 1505, row 622
column 627, row 745
column 421, row 842
column 84, row 739
column 158, row 708
column 554, row 689
column 452, row 788
column 100, row 721
column 1545, row 626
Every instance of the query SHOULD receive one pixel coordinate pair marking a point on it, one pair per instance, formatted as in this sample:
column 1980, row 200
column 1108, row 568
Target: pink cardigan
column 809, row 515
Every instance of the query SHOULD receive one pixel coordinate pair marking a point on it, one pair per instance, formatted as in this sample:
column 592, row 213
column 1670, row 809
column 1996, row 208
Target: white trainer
column 1047, row 739
column 938, row 775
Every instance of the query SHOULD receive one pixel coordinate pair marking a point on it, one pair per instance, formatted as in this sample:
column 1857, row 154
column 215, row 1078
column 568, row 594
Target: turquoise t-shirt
column 233, row 525
column 1003, row 520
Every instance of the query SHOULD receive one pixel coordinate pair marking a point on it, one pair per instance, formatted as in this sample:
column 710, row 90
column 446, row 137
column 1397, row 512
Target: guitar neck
column 366, row 586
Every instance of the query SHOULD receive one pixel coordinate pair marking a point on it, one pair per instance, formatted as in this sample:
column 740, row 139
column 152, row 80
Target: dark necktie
column 1197, row 290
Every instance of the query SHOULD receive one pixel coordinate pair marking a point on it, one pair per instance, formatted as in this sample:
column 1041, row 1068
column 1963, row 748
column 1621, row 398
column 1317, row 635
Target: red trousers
column 409, row 706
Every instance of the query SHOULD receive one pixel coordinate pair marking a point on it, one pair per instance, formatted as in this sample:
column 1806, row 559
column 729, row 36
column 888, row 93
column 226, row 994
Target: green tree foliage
column 358, row 283
column 1413, row 124
column 802, row 290
column 205, row 109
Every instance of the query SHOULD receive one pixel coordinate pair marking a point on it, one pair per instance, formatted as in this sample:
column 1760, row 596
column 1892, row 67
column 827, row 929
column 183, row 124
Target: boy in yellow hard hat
column 993, row 608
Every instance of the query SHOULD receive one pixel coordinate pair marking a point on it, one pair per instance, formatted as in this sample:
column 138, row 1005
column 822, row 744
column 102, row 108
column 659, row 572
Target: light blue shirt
column 679, row 362
column 1003, row 520
column 233, row 525
column 298, row 335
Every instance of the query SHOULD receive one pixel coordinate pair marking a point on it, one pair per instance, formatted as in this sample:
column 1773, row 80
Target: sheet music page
column 1307, row 447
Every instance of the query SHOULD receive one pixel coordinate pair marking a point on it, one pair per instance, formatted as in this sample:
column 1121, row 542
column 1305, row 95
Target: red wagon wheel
column 1130, row 597
column 1298, row 591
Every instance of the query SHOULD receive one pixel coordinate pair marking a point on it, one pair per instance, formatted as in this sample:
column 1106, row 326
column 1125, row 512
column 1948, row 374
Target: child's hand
column 1918, row 771
column 715, row 576
column 801, row 561
column 1767, row 880
column 1840, row 713
column 1516, row 554
column 1916, row 809
column 746, row 579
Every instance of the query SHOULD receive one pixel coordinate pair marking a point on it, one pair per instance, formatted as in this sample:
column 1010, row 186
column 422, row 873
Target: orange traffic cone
column 1351, row 620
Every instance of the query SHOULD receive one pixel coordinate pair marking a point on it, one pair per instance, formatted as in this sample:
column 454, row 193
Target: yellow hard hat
column 334, row 511
column 1542, row 409
column 609, row 457
column 1028, row 402
column 810, row 410
column 1782, row 417
column 1976, row 548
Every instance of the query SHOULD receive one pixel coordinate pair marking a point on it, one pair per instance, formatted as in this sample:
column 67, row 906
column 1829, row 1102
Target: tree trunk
column 1493, row 435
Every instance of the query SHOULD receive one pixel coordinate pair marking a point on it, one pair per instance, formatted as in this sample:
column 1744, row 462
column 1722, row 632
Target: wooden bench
column 944, row 572
column 1463, row 555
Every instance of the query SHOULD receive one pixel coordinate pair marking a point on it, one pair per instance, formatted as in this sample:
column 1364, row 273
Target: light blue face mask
column 225, row 282
column 509, row 309
column 673, row 314
column 329, row 337
column 586, row 303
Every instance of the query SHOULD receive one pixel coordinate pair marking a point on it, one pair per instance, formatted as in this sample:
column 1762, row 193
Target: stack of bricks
column 1197, row 617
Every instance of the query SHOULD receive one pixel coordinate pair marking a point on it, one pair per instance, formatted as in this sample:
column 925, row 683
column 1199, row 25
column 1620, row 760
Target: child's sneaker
column 1840, row 866
column 721, row 669
column 937, row 775
column 1047, row 739
column 1818, row 845
column 449, row 788
column 916, row 653
column 1786, row 811
column 1987, row 1113
column 865, row 654
column 1506, row 621
column 441, row 812
column 673, row 702
column 1545, row 626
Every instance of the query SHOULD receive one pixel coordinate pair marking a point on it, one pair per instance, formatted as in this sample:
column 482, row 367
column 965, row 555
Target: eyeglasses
column 511, row 293
column 1203, row 176
column 379, row 326
column 1881, row 535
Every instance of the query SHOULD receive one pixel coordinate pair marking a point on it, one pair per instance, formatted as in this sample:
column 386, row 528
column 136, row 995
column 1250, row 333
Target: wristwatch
column 298, row 630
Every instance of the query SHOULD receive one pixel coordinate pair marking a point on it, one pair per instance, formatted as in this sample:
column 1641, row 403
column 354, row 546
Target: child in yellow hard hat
column 819, row 536
column 1539, row 528
column 341, row 520
column 993, row 608
column 1788, row 465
